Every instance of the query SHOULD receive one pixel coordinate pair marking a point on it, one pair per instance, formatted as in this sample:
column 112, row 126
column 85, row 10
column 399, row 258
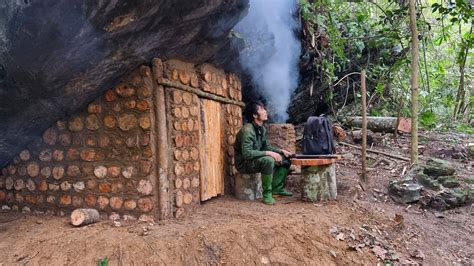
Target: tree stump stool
column 318, row 178
column 248, row 186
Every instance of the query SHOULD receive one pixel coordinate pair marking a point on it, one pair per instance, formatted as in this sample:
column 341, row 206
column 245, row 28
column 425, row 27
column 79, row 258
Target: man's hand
column 274, row 155
column 286, row 153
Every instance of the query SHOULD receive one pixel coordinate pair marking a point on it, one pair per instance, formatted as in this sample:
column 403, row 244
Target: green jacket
column 251, row 143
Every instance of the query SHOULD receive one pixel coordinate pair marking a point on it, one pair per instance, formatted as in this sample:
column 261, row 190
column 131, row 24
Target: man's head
column 255, row 112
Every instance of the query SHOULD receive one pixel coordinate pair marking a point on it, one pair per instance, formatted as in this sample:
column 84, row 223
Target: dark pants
column 264, row 165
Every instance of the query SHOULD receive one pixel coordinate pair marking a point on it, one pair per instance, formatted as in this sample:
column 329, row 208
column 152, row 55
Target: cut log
column 381, row 124
column 80, row 217
column 248, row 186
column 318, row 182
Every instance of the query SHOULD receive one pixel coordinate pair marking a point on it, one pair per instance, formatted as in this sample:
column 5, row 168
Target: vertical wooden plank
column 212, row 158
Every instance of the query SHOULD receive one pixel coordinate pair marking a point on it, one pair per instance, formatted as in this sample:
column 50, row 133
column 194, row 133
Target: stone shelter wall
column 108, row 155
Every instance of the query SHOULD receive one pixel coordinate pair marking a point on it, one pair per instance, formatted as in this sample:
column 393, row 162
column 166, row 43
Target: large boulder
column 437, row 167
column 58, row 55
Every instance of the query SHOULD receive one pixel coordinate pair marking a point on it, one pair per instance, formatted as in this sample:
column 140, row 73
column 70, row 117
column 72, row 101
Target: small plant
column 103, row 262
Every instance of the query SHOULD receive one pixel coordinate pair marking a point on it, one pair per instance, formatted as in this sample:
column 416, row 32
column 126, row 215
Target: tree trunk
column 81, row 217
column 381, row 123
column 461, row 95
column 364, row 128
column 414, row 83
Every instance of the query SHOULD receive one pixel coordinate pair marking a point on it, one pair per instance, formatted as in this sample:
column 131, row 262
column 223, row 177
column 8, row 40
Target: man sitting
column 253, row 154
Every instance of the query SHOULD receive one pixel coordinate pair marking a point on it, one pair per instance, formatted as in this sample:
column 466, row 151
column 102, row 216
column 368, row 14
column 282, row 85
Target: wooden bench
column 318, row 178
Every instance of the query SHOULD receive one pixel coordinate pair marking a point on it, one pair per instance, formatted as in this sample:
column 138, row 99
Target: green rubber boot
column 279, row 181
column 267, row 189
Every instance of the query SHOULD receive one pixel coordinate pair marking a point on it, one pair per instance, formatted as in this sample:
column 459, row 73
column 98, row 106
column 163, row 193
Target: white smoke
column 272, row 52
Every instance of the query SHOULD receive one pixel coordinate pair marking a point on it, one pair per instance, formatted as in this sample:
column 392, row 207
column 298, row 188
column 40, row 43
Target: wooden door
column 212, row 155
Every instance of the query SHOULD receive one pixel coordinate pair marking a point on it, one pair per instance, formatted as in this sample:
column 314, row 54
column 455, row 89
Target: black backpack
column 318, row 136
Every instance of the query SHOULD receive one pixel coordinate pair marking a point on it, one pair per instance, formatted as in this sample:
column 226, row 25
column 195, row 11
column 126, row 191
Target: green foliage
column 103, row 262
column 375, row 35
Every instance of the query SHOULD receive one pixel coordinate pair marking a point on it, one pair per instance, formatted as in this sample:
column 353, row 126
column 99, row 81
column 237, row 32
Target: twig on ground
column 377, row 152
column 154, row 250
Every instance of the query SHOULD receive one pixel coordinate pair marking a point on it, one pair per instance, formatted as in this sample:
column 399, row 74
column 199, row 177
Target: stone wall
column 184, row 118
column 105, row 157
column 282, row 136
column 100, row 158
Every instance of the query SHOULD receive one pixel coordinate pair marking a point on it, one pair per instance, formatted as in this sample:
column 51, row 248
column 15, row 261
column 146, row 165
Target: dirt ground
column 361, row 227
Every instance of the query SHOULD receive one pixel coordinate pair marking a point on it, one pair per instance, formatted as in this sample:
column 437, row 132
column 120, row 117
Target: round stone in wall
column 116, row 203
column 22, row 170
column 130, row 104
column 58, row 172
column 188, row 198
column 113, row 171
column 58, row 155
column 187, row 98
column 185, row 112
column 142, row 105
column 65, row 200
column 46, row 171
column 102, row 202
column 179, row 198
column 88, row 155
column 33, row 169
column 145, row 204
column 9, row 183
column 73, row 170
column 92, row 122
column 77, row 201
column 30, row 185
column 195, row 182
column 65, row 186
column 177, row 96
column 79, row 186
column 100, row 171
column 178, row 183
column 186, row 183
column 76, row 124
column 11, row 169
column 124, row 91
column 45, row 155
column 130, row 204
column 19, row 184
column 145, row 187
column 110, row 121
column 129, row 172
column 60, row 124
column 90, row 200
column 50, row 136
column 144, row 122
column 42, row 185
column 127, row 122
column 65, row 139
column 51, row 199
column 25, row 155
column 94, row 108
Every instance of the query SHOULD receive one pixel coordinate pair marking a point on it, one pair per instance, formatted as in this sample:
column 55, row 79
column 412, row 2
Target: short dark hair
column 251, row 108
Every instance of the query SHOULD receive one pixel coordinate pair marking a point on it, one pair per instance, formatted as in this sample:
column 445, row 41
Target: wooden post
column 162, row 141
column 414, row 83
column 364, row 128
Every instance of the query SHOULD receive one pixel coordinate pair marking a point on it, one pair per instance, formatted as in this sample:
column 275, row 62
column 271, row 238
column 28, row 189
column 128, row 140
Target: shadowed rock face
column 58, row 55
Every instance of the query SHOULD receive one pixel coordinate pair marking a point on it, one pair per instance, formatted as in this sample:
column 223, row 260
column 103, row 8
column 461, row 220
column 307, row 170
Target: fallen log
column 376, row 152
column 80, row 217
column 381, row 124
